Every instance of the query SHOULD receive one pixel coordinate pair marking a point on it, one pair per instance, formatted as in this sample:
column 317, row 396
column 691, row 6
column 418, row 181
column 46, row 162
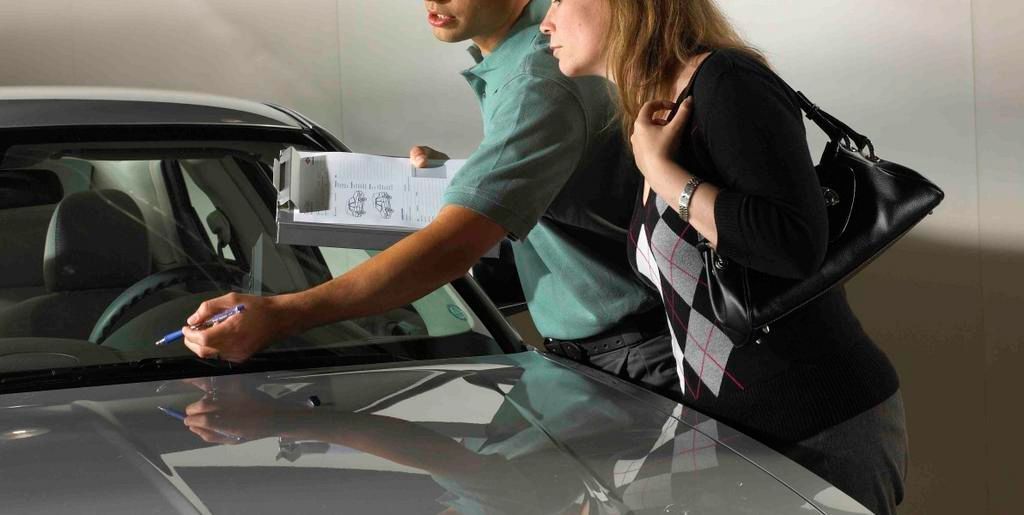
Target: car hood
column 524, row 433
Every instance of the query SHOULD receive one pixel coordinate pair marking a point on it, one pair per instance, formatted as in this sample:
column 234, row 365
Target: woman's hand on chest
column 656, row 138
column 655, row 142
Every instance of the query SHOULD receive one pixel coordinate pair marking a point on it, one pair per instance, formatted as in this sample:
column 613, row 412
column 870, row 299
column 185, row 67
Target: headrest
column 96, row 239
column 23, row 188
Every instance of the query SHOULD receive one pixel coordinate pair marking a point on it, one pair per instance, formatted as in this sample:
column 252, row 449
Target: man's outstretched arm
column 410, row 269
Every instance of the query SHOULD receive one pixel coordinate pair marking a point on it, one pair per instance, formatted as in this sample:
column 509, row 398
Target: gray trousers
column 865, row 457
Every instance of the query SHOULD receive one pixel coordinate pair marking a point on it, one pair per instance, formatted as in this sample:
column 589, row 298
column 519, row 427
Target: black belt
column 631, row 331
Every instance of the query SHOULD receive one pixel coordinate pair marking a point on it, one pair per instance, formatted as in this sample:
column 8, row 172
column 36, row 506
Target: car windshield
column 108, row 245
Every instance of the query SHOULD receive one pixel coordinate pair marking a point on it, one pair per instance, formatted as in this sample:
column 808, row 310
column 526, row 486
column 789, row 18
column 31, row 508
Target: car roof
column 55, row 106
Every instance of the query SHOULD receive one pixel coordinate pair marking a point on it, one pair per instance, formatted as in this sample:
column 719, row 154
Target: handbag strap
column 688, row 90
column 834, row 127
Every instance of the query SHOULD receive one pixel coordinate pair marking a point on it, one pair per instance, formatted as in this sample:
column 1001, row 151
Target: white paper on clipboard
column 375, row 190
column 343, row 199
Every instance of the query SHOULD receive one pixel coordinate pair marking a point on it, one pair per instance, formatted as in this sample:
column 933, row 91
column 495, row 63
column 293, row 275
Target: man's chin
column 448, row 36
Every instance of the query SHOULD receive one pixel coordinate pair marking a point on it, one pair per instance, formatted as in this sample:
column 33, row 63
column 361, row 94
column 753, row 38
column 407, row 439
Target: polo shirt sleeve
column 533, row 141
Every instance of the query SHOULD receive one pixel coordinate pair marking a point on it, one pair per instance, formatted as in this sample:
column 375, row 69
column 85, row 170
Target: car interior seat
column 96, row 246
column 27, row 201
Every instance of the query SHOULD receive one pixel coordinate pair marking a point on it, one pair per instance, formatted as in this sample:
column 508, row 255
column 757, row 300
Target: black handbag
column 871, row 203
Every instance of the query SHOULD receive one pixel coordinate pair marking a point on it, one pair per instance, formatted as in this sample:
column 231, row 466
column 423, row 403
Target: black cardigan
column 818, row 368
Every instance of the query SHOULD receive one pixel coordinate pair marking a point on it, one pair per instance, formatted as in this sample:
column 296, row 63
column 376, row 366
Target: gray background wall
column 285, row 52
column 936, row 83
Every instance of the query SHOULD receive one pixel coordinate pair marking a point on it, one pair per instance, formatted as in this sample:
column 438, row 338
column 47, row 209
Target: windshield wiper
column 105, row 373
column 153, row 369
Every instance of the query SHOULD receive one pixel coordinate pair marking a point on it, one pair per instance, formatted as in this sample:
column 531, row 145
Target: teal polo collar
column 514, row 46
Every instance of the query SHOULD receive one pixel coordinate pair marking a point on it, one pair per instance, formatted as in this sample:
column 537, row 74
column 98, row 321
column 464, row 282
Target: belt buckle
column 573, row 351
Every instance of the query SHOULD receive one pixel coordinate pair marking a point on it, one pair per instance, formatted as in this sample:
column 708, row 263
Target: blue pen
column 210, row 322
column 181, row 416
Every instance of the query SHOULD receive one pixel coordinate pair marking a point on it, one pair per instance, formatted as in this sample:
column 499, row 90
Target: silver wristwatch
column 686, row 196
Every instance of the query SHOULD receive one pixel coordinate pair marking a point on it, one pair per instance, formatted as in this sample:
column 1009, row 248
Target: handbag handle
column 835, row 128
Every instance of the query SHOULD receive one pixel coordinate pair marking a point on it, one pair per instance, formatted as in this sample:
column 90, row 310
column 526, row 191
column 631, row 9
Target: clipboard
column 312, row 189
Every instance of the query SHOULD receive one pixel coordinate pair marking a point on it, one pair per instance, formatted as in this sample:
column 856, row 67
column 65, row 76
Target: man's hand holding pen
column 238, row 337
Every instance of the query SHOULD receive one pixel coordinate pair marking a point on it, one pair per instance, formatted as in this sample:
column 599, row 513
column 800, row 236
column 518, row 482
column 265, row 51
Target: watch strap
column 686, row 196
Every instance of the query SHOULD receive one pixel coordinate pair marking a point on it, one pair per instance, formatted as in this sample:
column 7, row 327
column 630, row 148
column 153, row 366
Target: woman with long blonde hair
column 732, row 167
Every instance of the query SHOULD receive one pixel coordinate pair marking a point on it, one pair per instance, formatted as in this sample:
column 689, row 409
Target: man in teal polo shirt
column 552, row 173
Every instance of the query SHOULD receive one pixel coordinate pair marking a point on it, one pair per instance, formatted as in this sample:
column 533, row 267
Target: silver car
column 121, row 211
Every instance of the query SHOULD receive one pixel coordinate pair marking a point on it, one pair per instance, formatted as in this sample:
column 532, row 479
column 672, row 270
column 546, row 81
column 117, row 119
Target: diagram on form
column 357, row 204
column 383, row 204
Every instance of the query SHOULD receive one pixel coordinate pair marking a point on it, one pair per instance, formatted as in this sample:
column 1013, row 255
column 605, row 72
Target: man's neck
column 487, row 43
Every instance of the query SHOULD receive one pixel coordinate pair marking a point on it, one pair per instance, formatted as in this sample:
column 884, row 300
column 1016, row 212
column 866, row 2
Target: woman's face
column 578, row 29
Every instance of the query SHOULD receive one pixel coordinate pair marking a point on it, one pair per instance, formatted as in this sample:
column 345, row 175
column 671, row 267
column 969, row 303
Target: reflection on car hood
column 501, row 434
